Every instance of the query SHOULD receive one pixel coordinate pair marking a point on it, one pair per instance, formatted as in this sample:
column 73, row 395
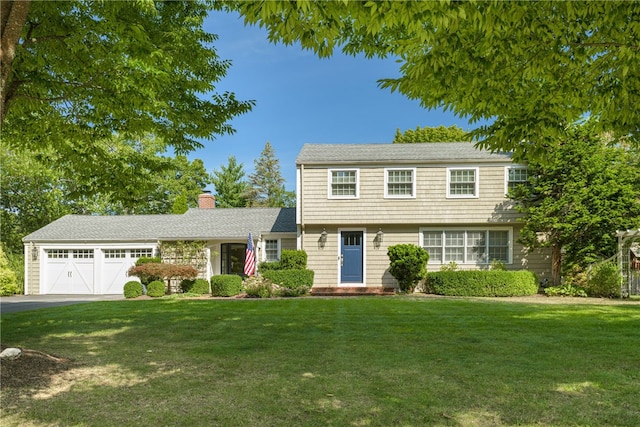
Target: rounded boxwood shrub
column 156, row 289
column 226, row 285
column 293, row 259
column 493, row 283
column 187, row 284
column 408, row 264
column 132, row 289
column 605, row 281
column 200, row 287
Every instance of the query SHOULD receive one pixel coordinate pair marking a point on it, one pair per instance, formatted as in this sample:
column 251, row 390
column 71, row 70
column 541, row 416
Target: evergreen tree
column 231, row 188
column 267, row 184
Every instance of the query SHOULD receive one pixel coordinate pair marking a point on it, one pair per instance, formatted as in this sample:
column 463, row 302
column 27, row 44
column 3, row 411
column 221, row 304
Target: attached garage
column 91, row 255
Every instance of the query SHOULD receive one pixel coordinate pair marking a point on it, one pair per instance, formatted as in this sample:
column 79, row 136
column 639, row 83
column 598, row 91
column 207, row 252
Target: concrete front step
column 352, row 291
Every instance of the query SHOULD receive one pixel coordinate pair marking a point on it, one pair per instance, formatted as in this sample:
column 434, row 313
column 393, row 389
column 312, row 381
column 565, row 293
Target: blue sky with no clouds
column 302, row 99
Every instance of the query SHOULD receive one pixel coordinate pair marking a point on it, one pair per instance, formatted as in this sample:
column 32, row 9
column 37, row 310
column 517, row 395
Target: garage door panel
column 69, row 271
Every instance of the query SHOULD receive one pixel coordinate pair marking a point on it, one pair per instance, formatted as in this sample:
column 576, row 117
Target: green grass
column 374, row 361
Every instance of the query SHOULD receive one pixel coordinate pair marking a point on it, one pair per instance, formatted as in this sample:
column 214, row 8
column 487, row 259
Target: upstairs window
column 516, row 175
column 400, row 183
column 343, row 184
column 462, row 183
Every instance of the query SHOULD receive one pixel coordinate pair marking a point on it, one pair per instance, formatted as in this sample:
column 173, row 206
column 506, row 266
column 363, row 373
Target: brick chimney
column 206, row 200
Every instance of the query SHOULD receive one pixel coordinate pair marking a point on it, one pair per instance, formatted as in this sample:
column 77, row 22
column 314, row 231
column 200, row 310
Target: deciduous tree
column 431, row 134
column 74, row 73
column 578, row 196
column 530, row 69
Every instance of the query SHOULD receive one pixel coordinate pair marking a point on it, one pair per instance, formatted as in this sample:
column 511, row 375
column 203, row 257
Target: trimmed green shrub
column 226, row 285
column 187, row 284
column 269, row 265
column 408, row 264
column 258, row 287
column 293, row 260
column 492, row 283
column 567, row 290
column 132, row 289
column 605, row 281
column 195, row 286
column 156, row 289
column 147, row 259
column 291, row 282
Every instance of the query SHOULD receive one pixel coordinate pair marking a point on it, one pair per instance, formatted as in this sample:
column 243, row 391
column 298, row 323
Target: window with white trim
column 271, row 252
column 516, row 175
column 115, row 253
column 343, row 183
column 467, row 246
column 83, row 253
column 462, row 182
column 139, row 253
column 400, row 183
column 57, row 253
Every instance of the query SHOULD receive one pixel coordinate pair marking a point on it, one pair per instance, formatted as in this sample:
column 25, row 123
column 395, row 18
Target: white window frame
column 399, row 196
column 476, row 171
column 466, row 258
column 278, row 249
column 340, row 196
column 506, row 176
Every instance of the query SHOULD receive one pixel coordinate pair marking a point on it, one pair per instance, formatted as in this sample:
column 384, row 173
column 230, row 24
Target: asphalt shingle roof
column 195, row 224
column 381, row 153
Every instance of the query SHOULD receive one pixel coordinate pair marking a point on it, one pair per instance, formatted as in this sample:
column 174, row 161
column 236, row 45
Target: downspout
column 299, row 216
column 26, row 268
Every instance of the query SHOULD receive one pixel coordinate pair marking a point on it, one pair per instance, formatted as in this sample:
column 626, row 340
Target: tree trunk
column 556, row 264
column 13, row 16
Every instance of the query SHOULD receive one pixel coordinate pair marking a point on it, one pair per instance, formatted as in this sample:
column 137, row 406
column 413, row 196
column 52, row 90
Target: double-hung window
column 343, row 183
column 471, row 246
column 400, row 183
column 515, row 175
column 462, row 182
column 271, row 250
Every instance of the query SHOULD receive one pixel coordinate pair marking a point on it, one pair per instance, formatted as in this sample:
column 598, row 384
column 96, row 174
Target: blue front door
column 351, row 257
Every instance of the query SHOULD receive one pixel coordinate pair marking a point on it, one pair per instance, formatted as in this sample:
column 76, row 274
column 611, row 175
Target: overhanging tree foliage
column 431, row 134
column 529, row 68
column 73, row 73
column 578, row 196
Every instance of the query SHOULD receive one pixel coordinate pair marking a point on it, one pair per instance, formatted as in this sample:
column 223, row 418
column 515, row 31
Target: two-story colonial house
column 353, row 202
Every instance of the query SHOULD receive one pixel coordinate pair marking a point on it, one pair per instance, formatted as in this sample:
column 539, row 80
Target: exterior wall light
column 379, row 237
column 323, row 237
column 34, row 253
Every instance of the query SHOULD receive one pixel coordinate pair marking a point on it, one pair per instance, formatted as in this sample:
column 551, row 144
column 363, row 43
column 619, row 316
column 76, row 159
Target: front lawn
column 371, row 361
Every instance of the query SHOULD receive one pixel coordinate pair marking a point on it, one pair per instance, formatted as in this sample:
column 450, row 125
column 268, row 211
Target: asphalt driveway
column 33, row 302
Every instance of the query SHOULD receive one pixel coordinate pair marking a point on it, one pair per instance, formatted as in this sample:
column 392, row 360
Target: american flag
column 250, row 258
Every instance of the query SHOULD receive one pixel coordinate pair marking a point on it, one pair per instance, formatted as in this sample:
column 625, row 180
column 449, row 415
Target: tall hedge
column 483, row 283
column 293, row 259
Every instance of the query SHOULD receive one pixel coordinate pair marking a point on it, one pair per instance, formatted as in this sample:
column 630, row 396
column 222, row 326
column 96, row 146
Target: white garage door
column 69, row 271
column 115, row 266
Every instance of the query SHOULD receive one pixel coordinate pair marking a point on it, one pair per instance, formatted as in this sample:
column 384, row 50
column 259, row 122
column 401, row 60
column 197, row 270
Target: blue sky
column 302, row 99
